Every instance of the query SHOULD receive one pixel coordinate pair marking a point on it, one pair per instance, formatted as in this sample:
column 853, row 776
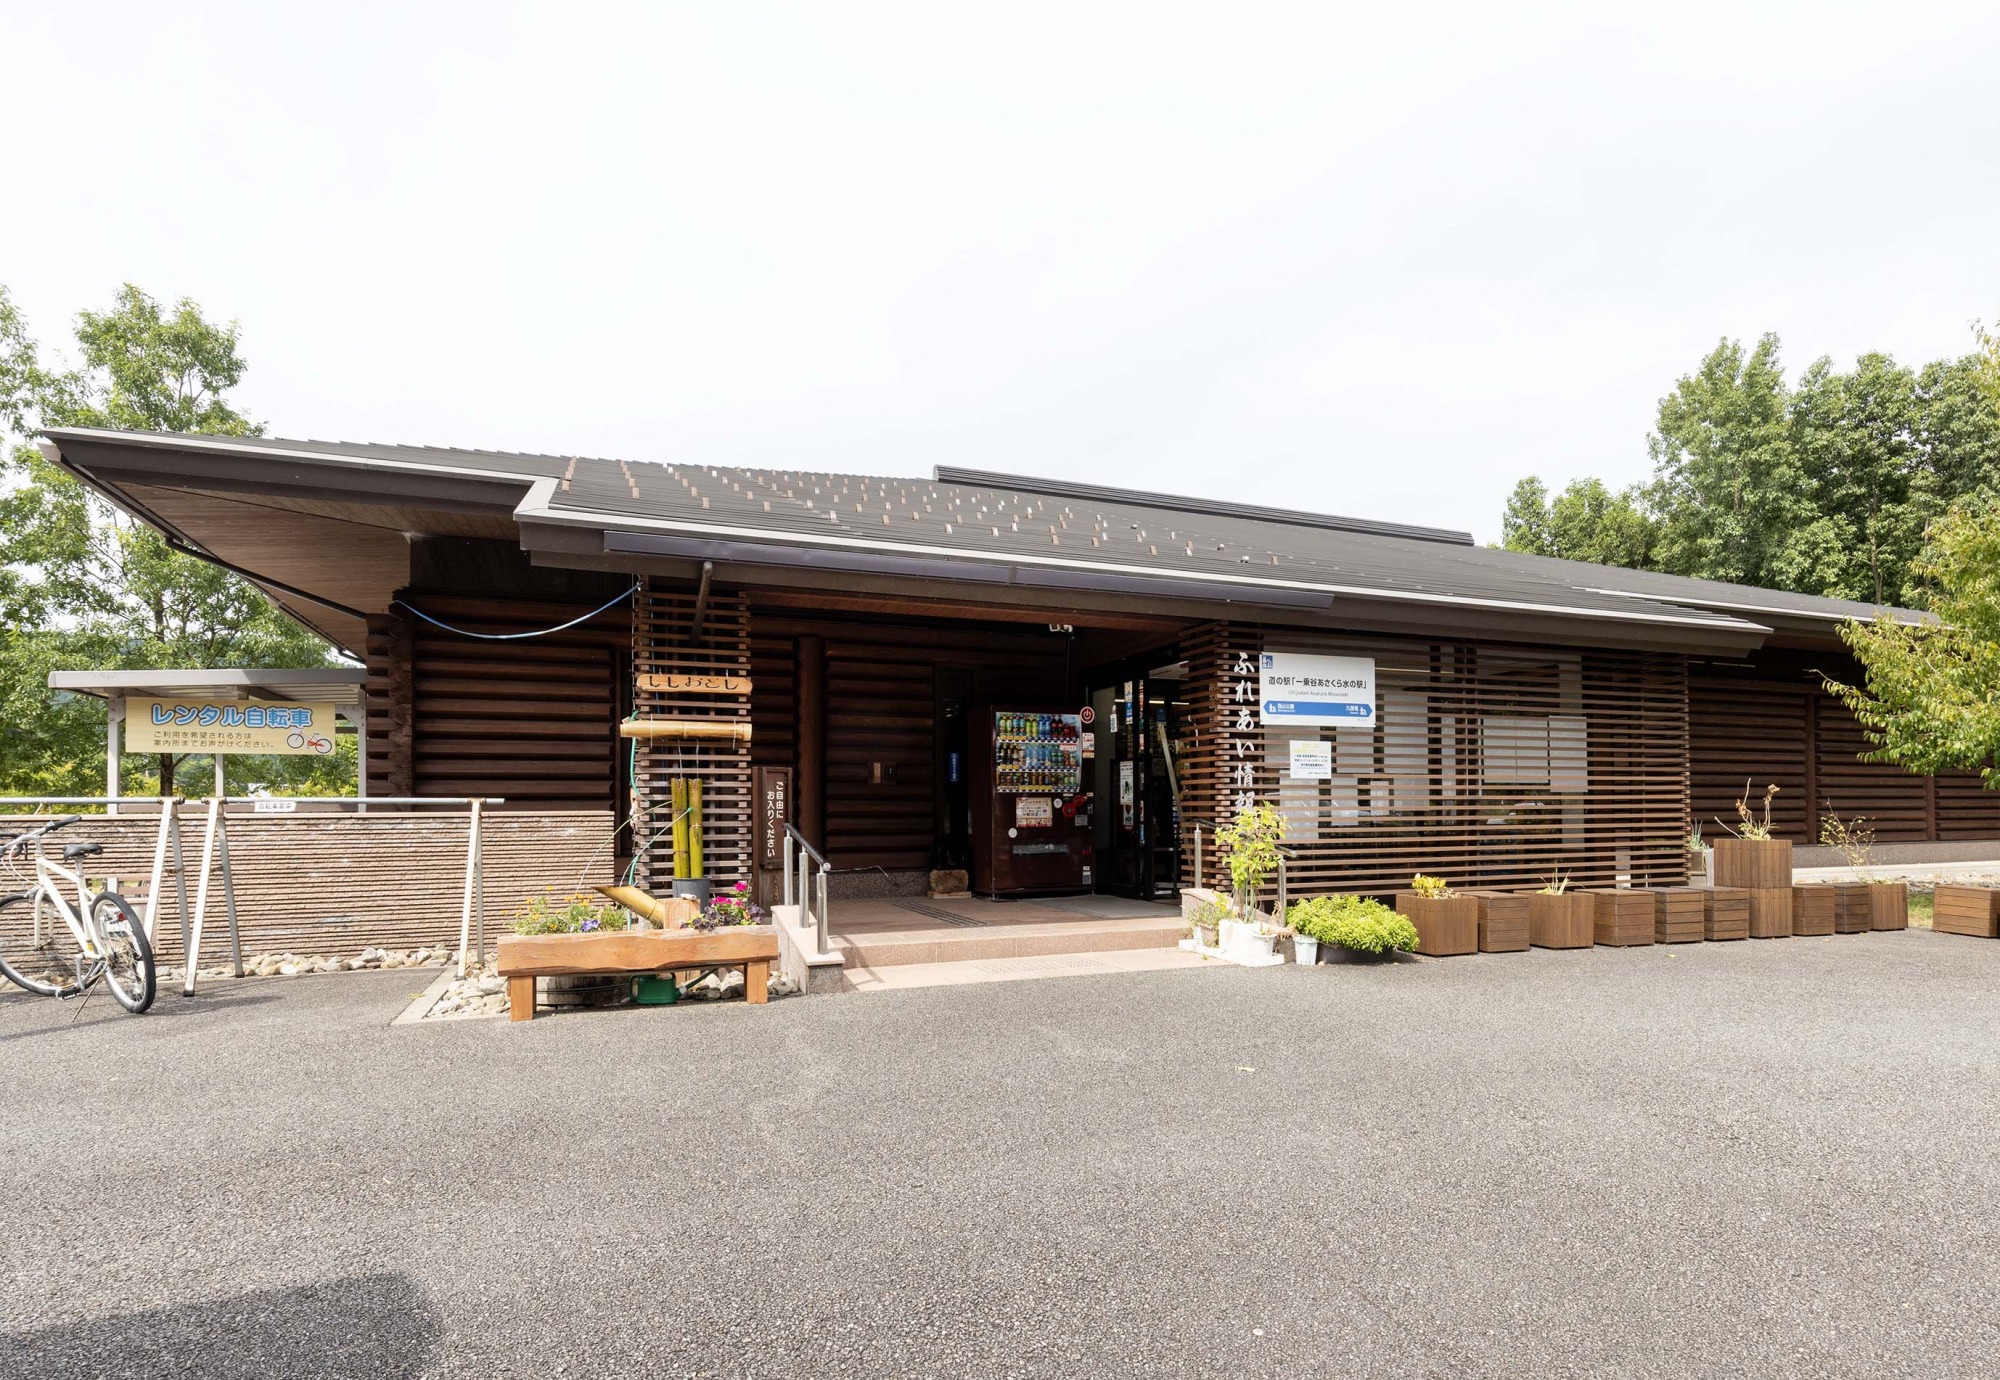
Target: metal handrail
column 799, row 886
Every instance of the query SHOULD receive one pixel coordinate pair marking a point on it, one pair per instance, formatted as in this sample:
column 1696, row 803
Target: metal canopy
column 340, row 685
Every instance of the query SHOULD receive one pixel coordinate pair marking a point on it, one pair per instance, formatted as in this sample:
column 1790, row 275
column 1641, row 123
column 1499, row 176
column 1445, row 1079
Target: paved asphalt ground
column 1760, row 1158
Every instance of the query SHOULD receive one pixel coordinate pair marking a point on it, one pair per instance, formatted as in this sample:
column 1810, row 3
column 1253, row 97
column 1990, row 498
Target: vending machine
column 1031, row 827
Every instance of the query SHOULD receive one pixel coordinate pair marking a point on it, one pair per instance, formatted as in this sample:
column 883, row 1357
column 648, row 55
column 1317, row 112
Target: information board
column 1303, row 690
column 255, row 727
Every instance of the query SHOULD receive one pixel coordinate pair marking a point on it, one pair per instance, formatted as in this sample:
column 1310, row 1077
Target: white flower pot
column 1304, row 950
column 1247, row 943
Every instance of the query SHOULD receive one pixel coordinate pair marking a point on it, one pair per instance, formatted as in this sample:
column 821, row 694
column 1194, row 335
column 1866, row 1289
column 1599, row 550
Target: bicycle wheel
column 128, row 957
column 37, row 950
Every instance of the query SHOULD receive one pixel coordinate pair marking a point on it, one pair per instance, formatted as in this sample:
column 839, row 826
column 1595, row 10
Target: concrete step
column 884, row 947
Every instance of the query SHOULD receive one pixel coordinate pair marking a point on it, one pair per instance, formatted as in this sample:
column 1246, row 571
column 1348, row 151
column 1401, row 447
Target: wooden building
column 1527, row 716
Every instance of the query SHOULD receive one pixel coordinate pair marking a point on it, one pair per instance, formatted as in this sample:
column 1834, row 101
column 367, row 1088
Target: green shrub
column 1352, row 922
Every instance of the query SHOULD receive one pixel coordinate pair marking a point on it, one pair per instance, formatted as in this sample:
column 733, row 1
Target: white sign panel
column 1295, row 690
column 1311, row 761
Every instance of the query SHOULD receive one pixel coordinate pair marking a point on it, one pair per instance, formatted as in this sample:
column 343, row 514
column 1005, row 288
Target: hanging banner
column 262, row 728
column 1297, row 690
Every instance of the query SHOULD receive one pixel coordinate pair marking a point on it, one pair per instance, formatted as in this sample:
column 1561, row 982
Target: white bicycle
column 55, row 949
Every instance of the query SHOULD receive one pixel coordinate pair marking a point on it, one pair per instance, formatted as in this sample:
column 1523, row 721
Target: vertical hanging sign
column 774, row 812
column 1240, row 731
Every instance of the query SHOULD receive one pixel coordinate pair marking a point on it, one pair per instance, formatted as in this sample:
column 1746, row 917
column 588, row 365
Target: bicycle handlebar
column 20, row 841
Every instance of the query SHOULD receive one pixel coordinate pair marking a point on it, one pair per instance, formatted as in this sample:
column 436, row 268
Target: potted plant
column 1697, row 852
column 1751, row 857
column 1559, row 918
column 1252, row 840
column 1447, row 923
column 1881, row 905
column 732, row 907
column 1305, row 946
column 1206, row 918
column 582, row 917
column 1353, row 927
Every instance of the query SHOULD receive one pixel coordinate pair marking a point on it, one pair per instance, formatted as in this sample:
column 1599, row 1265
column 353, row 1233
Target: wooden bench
column 525, row 957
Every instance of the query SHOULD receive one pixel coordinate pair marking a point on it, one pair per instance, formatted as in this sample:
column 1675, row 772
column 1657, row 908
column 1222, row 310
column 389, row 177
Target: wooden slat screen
column 664, row 639
column 1769, row 718
column 1490, row 765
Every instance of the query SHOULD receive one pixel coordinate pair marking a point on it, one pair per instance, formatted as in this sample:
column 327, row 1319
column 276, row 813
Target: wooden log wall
column 666, row 640
column 1769, row 719
column 339, row 883
column 1493, row 766
column 534, row 720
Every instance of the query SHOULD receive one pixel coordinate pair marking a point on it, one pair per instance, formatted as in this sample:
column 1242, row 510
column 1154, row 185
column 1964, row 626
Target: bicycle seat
column 82, row 850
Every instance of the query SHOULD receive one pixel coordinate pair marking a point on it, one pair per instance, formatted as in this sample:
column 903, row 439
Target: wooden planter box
column 1679, row 914
column 1973, row 910
column 1568, row 921
column 1770, row 911
column 1759, row 865
column 1888, row 906
column 1503, row 921
column 1623, row 917
column 1812, row 910
column 1853, row 908
column 1725, row 913
column 1445, row 924
column 524, row 957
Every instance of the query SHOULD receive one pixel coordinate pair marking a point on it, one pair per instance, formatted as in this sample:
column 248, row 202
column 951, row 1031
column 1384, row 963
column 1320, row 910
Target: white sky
column 1320, row 256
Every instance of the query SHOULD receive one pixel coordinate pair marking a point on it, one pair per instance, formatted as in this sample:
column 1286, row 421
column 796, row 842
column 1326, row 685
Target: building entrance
column 1139, row 723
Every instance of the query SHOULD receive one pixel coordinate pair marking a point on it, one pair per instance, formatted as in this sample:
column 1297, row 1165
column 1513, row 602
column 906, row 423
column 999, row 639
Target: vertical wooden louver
column 665, row 641
column 1491, row 765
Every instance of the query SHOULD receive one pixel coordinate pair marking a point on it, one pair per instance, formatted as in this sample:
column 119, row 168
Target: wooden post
column 521, row 998
column 114, row 724
column 811, row 801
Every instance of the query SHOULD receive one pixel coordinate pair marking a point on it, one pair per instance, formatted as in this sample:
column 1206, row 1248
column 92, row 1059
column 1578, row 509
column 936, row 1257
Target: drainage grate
column 949, row 917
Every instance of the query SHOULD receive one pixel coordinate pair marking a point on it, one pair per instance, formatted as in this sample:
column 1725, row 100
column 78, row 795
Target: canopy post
column 114, row 723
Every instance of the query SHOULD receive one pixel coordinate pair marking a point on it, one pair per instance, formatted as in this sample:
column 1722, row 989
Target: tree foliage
column 1823, row 486
column 1932, row 698
column 82, row 585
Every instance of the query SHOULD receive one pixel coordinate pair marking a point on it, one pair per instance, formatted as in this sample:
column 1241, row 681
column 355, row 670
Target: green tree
column 1856, row 442
column 1931, row 701
column 1824, row 488
column 1731, row 496
column 87, row 586
column 1585, row 522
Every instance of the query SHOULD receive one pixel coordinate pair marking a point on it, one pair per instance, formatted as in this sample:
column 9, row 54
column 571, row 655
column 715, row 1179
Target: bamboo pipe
column 736, row 730
column 672, row 912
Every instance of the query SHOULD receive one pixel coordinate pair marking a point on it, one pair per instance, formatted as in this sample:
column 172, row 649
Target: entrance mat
column 949, row 917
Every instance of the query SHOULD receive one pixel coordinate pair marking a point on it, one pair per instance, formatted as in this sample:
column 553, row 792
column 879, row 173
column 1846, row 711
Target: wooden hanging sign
column 675, row 683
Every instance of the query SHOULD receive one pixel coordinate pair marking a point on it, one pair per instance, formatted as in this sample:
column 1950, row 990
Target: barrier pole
column 229, row 895
column 159, row 877
column 201, row 898
column 471, row 882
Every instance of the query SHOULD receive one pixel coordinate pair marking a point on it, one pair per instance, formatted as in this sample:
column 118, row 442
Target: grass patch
column 1920, row 910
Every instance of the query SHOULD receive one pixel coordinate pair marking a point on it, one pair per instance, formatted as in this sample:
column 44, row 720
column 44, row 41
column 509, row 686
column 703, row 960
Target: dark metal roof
column 964, row 519
column 1176, row 503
